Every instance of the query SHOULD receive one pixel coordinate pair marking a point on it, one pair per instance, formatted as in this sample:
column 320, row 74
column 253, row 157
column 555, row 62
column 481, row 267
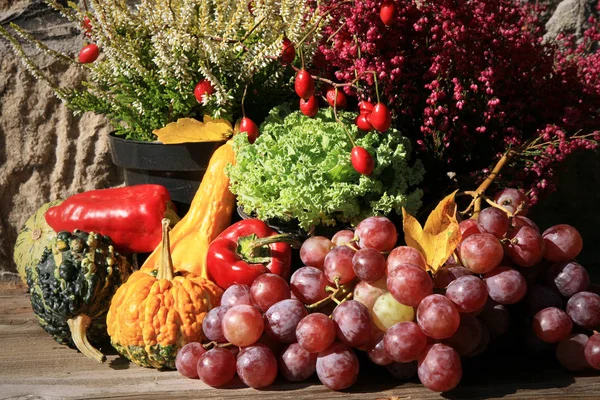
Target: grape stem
column 213, row 344
column 345, row 291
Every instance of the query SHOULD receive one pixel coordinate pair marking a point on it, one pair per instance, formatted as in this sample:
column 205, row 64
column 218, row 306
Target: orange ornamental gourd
column 156, row 312
column 209, row 214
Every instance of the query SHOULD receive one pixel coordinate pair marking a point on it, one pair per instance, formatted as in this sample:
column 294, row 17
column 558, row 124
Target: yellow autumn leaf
column 186, row 130
column 440, row 236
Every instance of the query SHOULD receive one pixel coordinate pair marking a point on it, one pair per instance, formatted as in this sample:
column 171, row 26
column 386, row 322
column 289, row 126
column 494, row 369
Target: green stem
column 376, row 86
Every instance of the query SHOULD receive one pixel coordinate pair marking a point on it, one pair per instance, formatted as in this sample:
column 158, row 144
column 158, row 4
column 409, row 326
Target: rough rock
column 570, row 16
column 45, row 152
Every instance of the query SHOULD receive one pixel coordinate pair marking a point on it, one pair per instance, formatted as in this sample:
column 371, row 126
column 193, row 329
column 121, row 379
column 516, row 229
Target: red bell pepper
column 131, row 216
column 247, row 249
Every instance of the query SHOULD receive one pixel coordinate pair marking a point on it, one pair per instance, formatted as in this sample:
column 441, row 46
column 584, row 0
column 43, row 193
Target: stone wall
column 46, row 153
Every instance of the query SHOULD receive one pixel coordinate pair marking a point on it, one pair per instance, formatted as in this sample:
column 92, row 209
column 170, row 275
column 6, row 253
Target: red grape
column 552, row 325
column 353, row 323
column 513, row 200
column 338, row 264
column 466, row 339
column 378, row 233
column 211, row 324
column 571, row 352
column 297, row 364
column 313, row 251
column 242, row 325
column 405, row 255
column 409, row 285
column 187, row 359
column 337, row 366
column 368, row 292
column 404, row 342
column 481, row 252
column 315, row 332
column 592, row 351
column 505, row 285
column 368, row 264
column 540, row 297
column 216, row 367
column 444, row 276
column 493, row 220
column 496, row 318
column 519, row 221
column 468, row 293
column 563, row 243
column 236, row 295
column 308, row 285
column 267, row 290
column 440, row 368
column 568, row 278
column 256, row 366
column 438, row 317
column 467, row 228
column 584, row 309
column 282, row 318
column 402, row 371
column 344, row 237
column 526, row 246
column 376, row 350
column 484, row 342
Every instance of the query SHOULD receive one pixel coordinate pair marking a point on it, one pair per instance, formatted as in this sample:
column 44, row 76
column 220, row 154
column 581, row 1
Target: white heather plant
column 154, row 53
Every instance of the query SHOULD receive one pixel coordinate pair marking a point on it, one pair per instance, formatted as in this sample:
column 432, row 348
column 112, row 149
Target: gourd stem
column 78, row 327
column 165, row 266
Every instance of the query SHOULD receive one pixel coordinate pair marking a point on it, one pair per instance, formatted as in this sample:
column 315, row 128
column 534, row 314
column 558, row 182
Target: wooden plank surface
column 32, row 366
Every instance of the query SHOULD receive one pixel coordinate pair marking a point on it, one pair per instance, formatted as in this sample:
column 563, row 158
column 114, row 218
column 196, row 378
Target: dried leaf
column 186, row 130
column 440, row 236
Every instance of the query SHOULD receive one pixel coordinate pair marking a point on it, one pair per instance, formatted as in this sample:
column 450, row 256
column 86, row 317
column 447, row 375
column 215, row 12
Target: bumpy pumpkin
column 156, row 312
column 71, row 288
column 33, row 239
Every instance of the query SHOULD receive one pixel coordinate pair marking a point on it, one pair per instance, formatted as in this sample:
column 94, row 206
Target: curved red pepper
column 230, row 260
column 131, row 216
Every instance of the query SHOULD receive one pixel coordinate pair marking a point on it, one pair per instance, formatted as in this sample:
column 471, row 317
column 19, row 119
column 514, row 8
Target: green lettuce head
column 299, row 168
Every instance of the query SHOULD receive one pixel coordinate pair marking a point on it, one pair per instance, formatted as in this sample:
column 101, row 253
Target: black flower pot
column 178, row 167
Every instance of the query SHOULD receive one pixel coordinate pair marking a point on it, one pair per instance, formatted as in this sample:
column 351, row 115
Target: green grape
column 387, row 312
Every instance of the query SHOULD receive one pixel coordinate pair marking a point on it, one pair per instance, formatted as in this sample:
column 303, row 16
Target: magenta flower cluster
column 468, row 80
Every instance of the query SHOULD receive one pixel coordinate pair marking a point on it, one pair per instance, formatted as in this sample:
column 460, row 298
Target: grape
column 552, row 325
column 505, row 285
column 496, row 318
column 584, row 309
column 337, row 366
column 378, row 233
column 568, row 278
column 216, row 367
column 467, row 228
column 338, row 264
column 315, row 332
column 313, row 251
column 344, row 237
column 493, row 220
column 308, row 285
column 409, row 285
column 368, row 264
column 368, row 292
column 387, row 311
column 211, row 324
column 402, row 371
column 236, row 295
column 519, row 221
column 282, row 318
column 404, row 342
column 376, row 351
column 467, row 337
column 405, row 255
column 445, row 275
column 256, row 366
column 267, row 290
column 440, row 368
column 571, row 352
column 513, row 200
column 540, row 297
column 437, row 317
column 563, row 243
column 353, row 323
column 481, row 253
column 187, row 359
column 297, row 364
column 242, row 325
column 484, row 342
column 526, row 246
column 468, row 293
column 592, row 351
